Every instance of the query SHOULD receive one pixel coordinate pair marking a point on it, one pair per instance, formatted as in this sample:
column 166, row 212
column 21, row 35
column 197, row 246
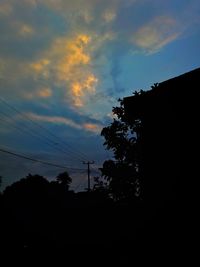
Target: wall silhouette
column 166, row 114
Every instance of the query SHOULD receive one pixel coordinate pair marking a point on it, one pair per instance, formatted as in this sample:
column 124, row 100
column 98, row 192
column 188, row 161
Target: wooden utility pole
column 88, row 171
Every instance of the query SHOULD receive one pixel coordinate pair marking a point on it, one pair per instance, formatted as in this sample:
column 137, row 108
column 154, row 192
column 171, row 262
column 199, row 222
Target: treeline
column 35, row 211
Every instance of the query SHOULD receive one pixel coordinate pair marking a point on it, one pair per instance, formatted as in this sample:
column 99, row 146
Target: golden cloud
column 66, row 64
column 155, row 35
column 40, row 68
column 95, row 128
column 40, row 65
column 68, row 61
column 80, row 89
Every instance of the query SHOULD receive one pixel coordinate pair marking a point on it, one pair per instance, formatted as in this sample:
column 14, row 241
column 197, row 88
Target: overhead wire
column 33, row 133
column 37, row 160
column 22, row 130
column 78, row 154
column 37, row 124
column 76, row 188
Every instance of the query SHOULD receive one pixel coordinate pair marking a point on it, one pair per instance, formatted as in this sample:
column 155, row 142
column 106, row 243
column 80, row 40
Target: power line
column 80, row 155
column 33, row 133
column 37, row 160
column 22, row 130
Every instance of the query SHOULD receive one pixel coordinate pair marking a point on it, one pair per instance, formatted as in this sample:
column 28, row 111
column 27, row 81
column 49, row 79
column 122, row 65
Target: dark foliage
column 121, row 138
column 64, row 179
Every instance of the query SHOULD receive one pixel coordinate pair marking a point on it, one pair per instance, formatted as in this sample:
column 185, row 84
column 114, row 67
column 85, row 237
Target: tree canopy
column 64, row 179
column 122, row 171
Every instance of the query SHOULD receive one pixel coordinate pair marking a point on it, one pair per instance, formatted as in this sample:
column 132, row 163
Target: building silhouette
column 168, row 115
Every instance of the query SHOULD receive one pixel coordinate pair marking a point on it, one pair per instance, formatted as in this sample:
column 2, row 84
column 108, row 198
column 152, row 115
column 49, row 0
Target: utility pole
column 88, row 171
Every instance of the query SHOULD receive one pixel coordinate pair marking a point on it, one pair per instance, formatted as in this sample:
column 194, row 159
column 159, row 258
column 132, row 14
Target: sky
column 64, row 64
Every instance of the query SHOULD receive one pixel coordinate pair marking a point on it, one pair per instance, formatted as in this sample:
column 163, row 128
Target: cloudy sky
column 64, row 64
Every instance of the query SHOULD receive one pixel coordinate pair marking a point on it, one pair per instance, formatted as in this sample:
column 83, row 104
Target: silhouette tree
column 32, row 187
column 99, row 184
column 121, row 138
column 64, row 179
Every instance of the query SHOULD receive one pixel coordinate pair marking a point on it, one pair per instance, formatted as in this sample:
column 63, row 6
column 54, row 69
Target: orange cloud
column 90, row 82
column 68, row 62
column 70, row 55
column 79, row 90
column 40, row 65
column 96, row 128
